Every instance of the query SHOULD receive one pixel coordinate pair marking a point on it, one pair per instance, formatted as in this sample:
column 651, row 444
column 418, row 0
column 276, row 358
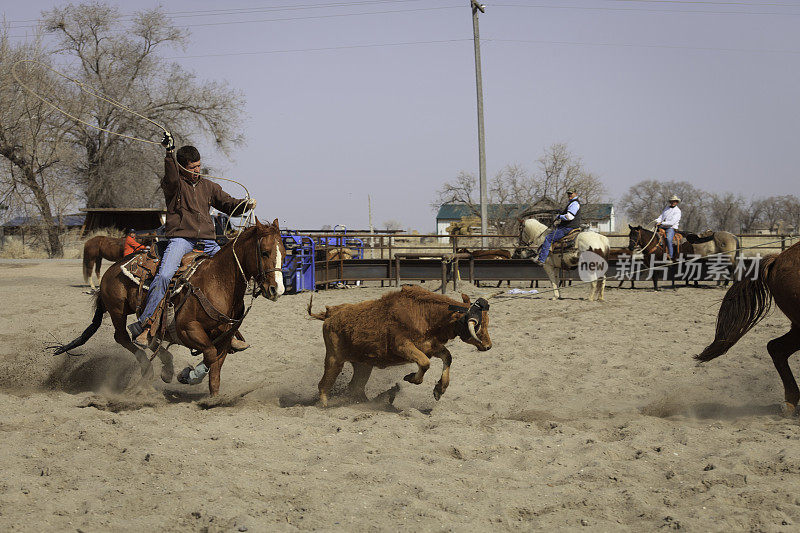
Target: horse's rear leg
column 780, row 350
column 97, row 264
column 121, row 336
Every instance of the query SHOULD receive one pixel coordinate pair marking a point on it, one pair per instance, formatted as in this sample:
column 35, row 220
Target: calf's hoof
column 412, row 378
column 437, row 392
column 788, row 409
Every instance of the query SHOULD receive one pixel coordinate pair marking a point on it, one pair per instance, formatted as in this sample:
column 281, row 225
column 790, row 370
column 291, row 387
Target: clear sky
column 367, row 97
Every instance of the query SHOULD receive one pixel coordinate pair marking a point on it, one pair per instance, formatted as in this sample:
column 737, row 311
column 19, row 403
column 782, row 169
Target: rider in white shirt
column 668, row 221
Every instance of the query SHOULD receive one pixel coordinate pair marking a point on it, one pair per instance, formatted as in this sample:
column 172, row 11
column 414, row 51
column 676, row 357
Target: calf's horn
column 471, row 327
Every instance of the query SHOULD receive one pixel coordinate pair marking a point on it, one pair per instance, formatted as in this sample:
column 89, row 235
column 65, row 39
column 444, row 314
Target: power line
column 640, row 10
column 341, row 15
column 634, row 45
column 510, row 41
column 321, row 49
column 248, row 10
column 693, row 2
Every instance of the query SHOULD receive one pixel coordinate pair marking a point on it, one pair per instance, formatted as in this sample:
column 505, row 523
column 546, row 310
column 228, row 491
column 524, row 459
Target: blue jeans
column 555, row 235
column 670, row 234
column 176, row 249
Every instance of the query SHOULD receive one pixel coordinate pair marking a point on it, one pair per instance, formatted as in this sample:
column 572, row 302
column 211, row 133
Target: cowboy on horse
column 568, row 220
column 668, row 221
column 189, row 225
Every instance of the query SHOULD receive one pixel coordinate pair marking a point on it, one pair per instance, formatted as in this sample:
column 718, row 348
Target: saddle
column 566, row 244
column 676, row 239
column 143, row 266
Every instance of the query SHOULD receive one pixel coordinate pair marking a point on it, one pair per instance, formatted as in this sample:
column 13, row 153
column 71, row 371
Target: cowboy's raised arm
column 171, row 177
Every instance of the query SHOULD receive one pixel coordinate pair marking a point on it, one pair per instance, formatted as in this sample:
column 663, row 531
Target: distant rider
column 131, row 244
column 668, row 221
column 568, row 220
column 189, row 225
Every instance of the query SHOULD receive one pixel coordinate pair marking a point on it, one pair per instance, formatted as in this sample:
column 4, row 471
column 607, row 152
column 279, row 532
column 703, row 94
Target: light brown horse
column 747, row 302
column 205, row 326
column 95, row 250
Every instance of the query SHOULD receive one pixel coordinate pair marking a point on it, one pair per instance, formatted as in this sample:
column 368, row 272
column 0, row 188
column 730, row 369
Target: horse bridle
column 638, row 237
column 261, row 277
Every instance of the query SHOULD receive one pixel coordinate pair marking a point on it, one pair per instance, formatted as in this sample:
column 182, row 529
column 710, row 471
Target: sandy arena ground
column 582, row 414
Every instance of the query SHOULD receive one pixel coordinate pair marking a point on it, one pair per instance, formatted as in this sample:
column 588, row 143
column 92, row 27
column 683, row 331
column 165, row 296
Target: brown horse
column 95, row 250
column 747, row 302
column 209, row 309
column 653, row 247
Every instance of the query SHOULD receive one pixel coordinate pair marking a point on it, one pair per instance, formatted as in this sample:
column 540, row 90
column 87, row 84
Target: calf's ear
column 464, row 298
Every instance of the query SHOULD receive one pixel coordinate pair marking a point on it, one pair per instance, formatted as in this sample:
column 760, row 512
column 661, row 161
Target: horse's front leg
column 195, row 337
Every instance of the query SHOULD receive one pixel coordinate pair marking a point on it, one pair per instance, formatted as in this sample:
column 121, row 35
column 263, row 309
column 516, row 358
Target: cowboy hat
column 674, row 198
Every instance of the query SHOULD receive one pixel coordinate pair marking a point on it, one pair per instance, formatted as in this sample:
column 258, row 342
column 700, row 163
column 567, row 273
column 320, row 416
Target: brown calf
column 406, row 326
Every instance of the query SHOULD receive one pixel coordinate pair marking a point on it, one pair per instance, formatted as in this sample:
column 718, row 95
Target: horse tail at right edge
column 744, row 305
column 99, row 311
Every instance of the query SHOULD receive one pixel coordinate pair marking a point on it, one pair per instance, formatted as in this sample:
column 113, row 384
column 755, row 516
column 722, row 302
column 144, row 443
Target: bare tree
column 792, row 213
column 514, row 189
column 34, row 180
column 646, row 200
column 750, row 215
column 559, row 170
column 122, row 58
column 772, row 209
column 724, row 211
column 393, row 225
column 510, row 191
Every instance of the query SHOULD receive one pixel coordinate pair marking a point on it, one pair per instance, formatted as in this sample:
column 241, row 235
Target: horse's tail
column 318, row 316
column 744, row 305
column 88, row 263
column 99, row 311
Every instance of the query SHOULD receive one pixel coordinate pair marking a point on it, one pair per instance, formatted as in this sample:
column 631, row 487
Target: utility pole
column 476, row 36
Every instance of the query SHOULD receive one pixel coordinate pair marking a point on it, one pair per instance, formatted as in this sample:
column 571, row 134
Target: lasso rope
column 91, row 91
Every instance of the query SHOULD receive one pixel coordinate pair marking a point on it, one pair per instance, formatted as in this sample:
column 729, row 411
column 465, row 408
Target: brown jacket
column 188, row 203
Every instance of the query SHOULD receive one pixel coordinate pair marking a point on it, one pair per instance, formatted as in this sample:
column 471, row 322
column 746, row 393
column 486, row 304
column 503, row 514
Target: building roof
column 457, row 211
column 69, row 221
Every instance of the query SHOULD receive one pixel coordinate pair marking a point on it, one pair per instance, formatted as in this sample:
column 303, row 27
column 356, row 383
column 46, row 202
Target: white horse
column 533, row 234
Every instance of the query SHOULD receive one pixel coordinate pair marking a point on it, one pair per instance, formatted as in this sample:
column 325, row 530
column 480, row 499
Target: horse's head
column 637, row 237
column 633, row 237
column 265, row 261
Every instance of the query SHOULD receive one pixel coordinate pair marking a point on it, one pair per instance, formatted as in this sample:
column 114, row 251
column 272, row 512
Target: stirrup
column 135, row 329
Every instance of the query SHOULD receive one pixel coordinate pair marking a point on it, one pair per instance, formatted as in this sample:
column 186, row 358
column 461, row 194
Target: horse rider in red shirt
column 131, row 244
